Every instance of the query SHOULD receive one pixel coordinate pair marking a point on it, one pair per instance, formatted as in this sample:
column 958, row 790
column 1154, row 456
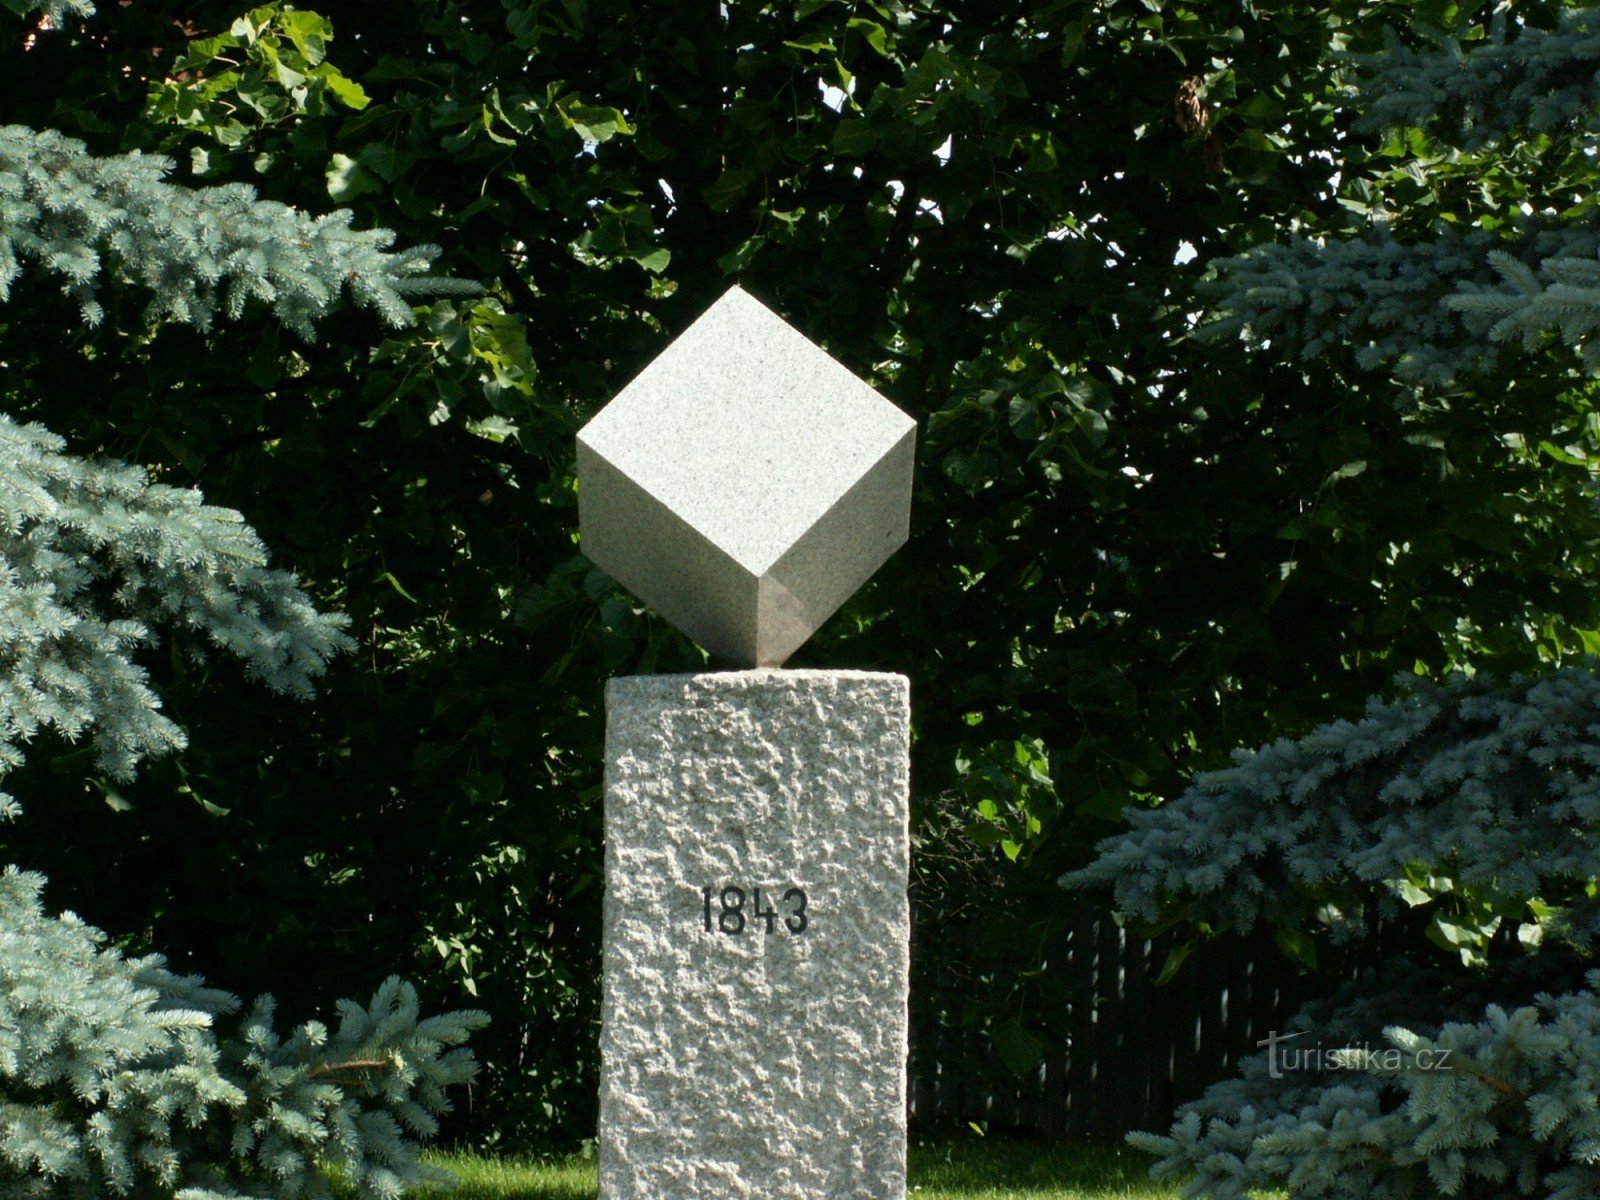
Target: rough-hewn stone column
column 756, row 933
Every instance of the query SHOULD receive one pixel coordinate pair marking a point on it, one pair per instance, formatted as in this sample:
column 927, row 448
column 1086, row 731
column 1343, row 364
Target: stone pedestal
column 756, row 937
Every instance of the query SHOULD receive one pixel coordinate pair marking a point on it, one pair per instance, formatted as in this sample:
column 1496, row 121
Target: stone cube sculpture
column 745, row 484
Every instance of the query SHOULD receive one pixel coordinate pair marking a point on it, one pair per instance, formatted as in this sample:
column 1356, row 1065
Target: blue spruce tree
column 1429, row 289
column 116, row 1075
column 1459, row 822
column 1463, row 820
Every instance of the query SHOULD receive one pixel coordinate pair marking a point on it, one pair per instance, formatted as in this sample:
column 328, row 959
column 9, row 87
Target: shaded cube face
column 745, row 484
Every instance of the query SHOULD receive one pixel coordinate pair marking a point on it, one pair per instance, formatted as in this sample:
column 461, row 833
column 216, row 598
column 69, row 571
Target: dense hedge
column 1132, row 551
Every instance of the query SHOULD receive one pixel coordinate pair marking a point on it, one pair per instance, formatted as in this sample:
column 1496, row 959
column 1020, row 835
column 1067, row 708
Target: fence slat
column 1121, row 1053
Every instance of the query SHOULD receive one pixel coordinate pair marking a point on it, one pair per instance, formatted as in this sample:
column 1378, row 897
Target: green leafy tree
column 1118, row 526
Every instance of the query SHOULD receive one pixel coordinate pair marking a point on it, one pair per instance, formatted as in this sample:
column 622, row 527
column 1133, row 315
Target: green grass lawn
column 979, row 1169
column 994, row 1169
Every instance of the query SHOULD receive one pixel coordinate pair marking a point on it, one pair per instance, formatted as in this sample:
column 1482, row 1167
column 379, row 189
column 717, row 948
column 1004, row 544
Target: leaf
column 1562, row 455
column 724, row 192
column 345, row 90
column 853, row 136
column 1349, row 471
column 231, row 132
column 1086, row 391
column 114, row 799
column 288, row 78
column 348, row 179
column 872, row 32
column 445, row 321
column 387, row 577
column 737, row 260
column 494, row 428
column 1175, row 960
column 1023, row 416
column 385, row 161
column 1413, row 895
column 1019, row 1050
column 1072, row 41
column 216, row 810
column 1299, row 946
column 1455, row 934
column 655, row 261
column 594, row 122
column 309, row 32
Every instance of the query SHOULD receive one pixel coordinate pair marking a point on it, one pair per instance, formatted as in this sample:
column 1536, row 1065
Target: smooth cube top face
column 745, row 484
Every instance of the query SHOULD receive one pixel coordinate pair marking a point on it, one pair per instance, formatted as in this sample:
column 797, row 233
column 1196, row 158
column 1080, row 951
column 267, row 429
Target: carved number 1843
column 730, row 916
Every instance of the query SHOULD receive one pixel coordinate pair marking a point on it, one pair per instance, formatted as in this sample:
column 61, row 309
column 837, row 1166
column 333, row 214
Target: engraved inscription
column 724, row 910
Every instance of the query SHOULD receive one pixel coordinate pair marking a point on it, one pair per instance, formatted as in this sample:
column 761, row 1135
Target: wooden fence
column 1121, row 1053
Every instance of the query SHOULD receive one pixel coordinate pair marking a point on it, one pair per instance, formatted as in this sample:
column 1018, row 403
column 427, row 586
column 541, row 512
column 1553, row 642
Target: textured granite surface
column 742, row 1064
column 745, row 484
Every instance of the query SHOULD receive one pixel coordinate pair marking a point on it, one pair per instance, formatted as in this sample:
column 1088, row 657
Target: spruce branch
column 1432, row 311
column 198, row 252
column 1373, row 1129
column 53, row 11
column 1429, row 311
column 118, row 1077
column 1469, row 809
column 94, row 558
column 372, row 1064
column 1473, row 95
column 1499, row 1085
column 115, row 1075
column 1466, row 792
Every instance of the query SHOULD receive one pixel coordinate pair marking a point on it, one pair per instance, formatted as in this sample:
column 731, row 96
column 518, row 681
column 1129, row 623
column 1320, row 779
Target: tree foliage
column 1509, row 1113
column 94, row 558
column 1118, row 527
column 1429, row 289
column 1477, row 807
column 1464, row 813
column 114, row 1078
column 194, row 251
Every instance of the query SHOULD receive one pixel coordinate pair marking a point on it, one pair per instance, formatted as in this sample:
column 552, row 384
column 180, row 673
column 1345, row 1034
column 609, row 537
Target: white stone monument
column 745, row 484
column 753, row 1038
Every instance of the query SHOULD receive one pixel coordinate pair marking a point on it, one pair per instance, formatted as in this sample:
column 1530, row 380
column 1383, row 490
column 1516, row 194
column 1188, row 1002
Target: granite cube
column 745, row 484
